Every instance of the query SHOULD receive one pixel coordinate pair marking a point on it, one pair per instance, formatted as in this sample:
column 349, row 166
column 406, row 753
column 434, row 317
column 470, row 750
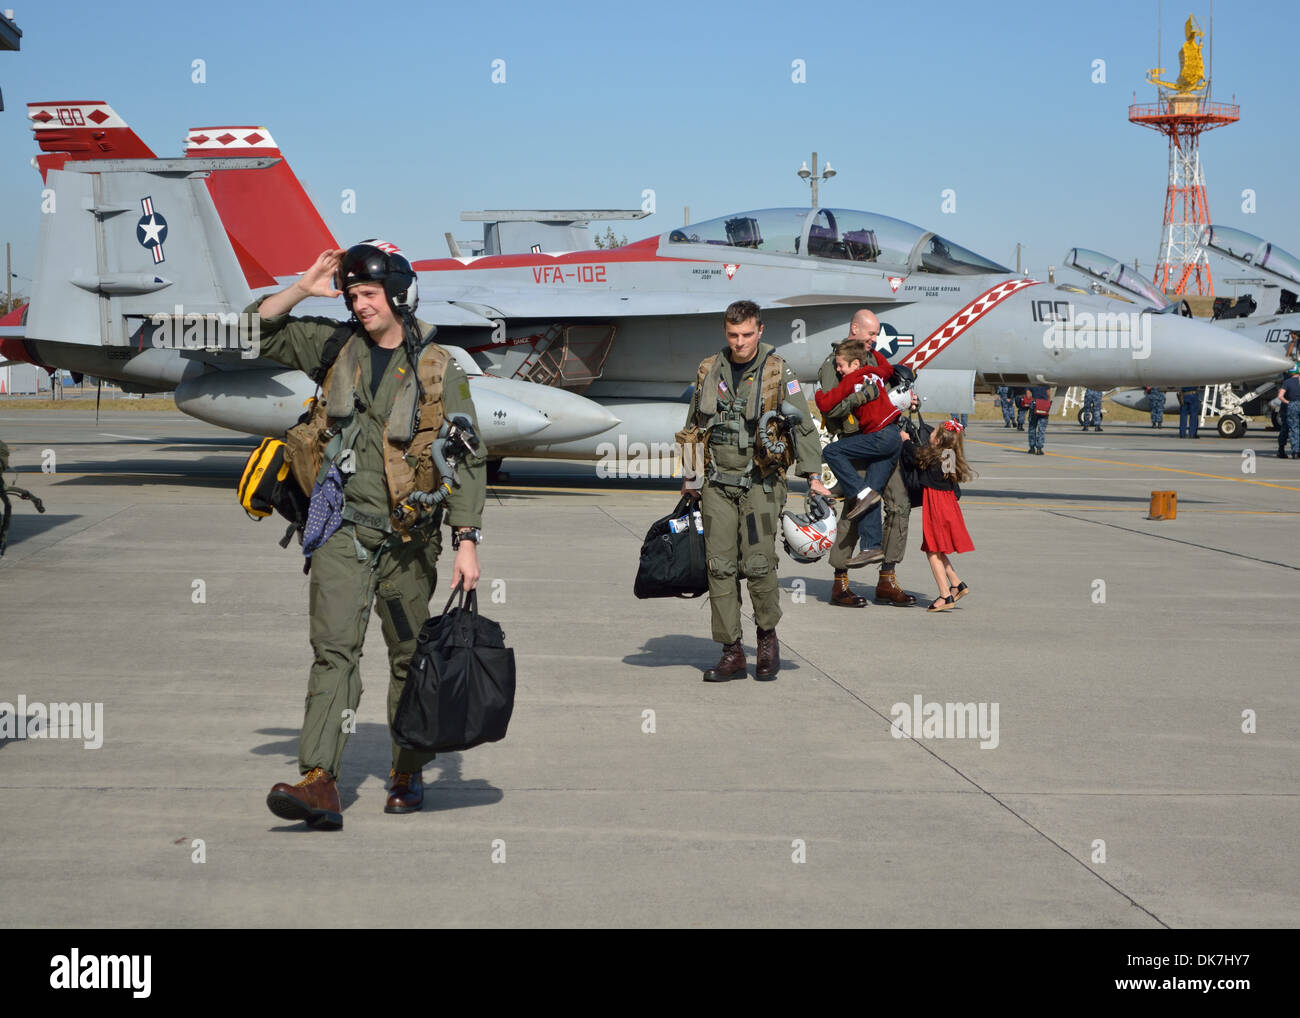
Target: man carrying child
column 861, row 368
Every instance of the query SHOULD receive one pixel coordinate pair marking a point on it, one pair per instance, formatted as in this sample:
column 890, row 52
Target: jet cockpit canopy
column 1251, row 250
column 1117, row 274
column 841, row 235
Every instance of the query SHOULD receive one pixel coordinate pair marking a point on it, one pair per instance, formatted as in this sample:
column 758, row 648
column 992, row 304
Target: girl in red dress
column 942, row 466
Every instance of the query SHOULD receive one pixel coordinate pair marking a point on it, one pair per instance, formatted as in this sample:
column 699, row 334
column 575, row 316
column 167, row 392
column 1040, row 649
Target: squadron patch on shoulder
column 464, row 390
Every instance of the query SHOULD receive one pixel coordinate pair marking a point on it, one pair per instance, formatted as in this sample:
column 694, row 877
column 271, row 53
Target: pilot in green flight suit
column 741, row 501
column 364, row 561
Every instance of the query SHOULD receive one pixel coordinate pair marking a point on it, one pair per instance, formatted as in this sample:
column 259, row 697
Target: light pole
column 812, row 178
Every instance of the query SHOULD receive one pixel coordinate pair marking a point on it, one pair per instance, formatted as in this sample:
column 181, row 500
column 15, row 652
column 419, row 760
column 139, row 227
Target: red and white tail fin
column 81, row 129
column 272, row 224
column 267, row 215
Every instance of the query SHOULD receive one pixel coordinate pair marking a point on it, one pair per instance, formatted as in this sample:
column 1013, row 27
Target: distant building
column 24, row 380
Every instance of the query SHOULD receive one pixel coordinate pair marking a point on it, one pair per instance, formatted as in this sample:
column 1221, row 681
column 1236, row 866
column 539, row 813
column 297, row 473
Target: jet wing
column 508, row 305
column 435, row 312
column 652, row 281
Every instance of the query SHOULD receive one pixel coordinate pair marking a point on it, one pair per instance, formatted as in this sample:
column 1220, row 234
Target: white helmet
column 811, row 535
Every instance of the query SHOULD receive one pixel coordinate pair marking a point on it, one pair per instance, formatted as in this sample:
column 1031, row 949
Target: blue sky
column 695, row 101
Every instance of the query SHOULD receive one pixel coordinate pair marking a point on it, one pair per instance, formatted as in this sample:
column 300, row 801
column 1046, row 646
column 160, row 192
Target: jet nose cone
column 568, row 415
column 1188, row 352
column 503, row 420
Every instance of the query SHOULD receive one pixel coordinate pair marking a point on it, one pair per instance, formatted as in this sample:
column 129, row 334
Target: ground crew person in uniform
column 1037, row 421
column 1022, row 407
column 741, row 488
column 1289, row 415
column 1005, row 401
column 1189, row 411
column 382, row 553
column 1092, row 409
column 1156, row 400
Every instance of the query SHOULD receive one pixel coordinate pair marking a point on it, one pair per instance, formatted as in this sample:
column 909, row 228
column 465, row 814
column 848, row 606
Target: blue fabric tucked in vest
column 325, row 514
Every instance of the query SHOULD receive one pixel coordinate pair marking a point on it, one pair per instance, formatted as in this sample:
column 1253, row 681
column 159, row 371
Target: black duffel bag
column 673, row 560
column 460, row 685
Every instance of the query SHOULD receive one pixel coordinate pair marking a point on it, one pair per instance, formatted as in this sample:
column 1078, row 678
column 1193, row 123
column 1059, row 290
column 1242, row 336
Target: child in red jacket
column 877, row 441
column 942, row 466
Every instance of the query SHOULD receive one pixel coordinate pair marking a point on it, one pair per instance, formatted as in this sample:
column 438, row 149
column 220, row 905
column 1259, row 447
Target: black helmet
column 377, row 261
column 904, row 376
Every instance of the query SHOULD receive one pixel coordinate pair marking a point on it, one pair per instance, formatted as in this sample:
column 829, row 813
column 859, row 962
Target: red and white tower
column 1183, row 113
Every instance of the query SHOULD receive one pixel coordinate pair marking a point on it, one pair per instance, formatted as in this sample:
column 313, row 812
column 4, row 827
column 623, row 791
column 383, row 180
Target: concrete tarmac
column 1144, row 676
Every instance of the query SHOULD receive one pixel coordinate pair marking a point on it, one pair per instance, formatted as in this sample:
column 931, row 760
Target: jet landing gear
column 1232, row 426
column 494, row 470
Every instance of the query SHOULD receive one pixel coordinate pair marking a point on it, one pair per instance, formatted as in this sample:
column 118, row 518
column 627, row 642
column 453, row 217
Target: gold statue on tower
column 1191, row 68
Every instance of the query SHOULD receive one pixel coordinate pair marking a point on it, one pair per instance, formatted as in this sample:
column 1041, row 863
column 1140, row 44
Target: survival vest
column 315, row 442
column 827, row 379
column 717, row 425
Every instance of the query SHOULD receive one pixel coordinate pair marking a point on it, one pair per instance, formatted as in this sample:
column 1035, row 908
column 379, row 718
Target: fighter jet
column 1281, row 269
column 265, row 225
column 636, row 321
column 1273, row 332
column 624, row 329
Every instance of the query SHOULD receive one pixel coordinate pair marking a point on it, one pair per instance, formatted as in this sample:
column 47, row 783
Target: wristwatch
column 473, row 534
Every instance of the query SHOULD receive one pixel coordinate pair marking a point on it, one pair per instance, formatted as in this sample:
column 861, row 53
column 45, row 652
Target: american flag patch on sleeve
column 791, row 387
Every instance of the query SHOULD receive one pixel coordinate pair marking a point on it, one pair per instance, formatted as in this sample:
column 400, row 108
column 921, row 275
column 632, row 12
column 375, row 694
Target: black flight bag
column 460, row 684
column 673, row 560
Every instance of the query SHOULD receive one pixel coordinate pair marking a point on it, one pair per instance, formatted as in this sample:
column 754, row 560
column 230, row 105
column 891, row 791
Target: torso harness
column 771, row 451
column 421, row 447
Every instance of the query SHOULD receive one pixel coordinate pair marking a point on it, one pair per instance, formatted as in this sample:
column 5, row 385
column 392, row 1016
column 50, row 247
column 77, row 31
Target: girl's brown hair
column 948, row 441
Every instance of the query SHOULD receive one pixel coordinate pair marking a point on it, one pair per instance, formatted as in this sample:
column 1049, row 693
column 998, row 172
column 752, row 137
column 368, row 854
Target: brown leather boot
column 769, row 655
column 731, row 666
column 406, row 792
column 889, row 592
column 314, row 799
column 842, row 594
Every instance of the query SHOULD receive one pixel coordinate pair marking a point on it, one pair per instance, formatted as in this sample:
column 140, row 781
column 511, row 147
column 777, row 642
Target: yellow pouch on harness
column 264, row 476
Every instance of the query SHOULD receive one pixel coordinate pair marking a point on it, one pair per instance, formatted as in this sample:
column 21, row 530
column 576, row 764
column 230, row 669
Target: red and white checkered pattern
column 207, row 140
column 935, row 343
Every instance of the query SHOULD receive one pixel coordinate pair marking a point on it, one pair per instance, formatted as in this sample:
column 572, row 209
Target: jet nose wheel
column 1232, row 427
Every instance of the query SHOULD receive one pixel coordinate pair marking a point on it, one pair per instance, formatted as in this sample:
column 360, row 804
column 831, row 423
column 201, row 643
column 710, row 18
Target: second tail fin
column 268, row 215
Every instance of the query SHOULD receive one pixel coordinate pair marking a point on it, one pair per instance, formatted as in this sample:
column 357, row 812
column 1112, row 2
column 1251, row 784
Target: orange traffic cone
column 1164, row 505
